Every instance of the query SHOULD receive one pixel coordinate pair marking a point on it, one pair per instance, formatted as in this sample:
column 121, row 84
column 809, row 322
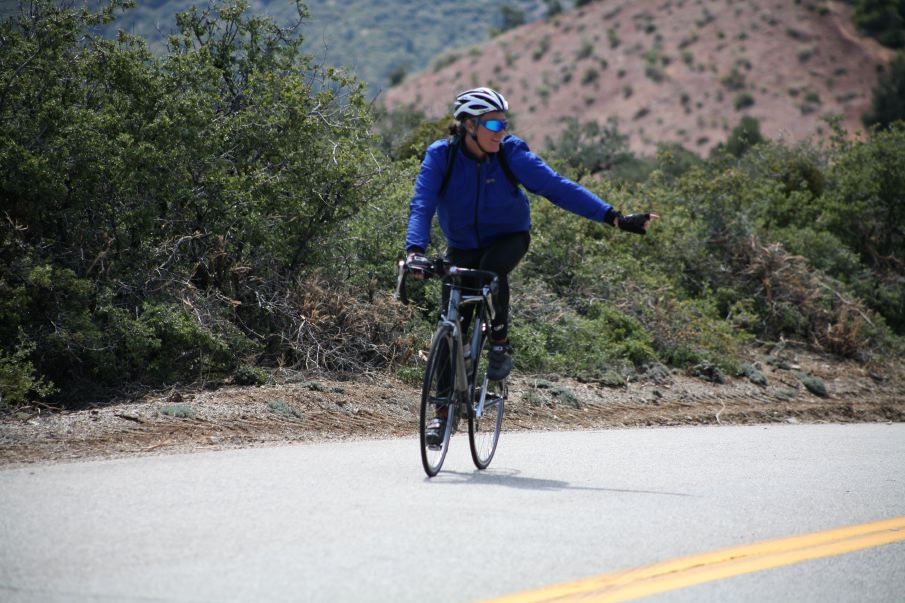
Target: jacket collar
column 469, row 154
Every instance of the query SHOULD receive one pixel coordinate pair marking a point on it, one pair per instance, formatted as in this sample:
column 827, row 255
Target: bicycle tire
column 437, row 388
column 484, row 430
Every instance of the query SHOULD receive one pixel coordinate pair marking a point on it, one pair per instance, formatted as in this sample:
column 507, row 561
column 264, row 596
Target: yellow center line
column 688, row 571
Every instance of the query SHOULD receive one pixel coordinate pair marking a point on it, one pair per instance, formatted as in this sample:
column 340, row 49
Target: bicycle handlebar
column 440, row 267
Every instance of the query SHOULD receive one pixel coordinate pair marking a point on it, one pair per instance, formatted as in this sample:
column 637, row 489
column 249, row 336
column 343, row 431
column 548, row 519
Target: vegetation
column 888, row 104
column 511, row 17
column 157, row 211
column 883, row 19
column 744, row 136
column 229, row 206
column 373, row 38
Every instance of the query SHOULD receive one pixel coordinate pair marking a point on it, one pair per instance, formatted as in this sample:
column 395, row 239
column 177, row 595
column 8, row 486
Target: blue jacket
column 479, row 203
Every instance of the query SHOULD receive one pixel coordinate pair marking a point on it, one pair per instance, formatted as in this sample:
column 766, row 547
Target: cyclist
column 484, row 215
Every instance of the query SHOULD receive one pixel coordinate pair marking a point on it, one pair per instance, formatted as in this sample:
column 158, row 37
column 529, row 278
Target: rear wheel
column 485, row 416
column 437, row 397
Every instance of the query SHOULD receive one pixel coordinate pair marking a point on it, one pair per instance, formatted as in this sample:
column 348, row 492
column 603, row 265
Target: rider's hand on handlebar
column 417, row 265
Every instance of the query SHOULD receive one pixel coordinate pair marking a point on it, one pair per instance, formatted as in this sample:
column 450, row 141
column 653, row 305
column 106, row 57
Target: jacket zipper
column 477, row 203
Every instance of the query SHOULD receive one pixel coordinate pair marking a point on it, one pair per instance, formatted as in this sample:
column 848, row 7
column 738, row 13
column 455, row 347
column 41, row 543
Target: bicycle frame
column 457, row 300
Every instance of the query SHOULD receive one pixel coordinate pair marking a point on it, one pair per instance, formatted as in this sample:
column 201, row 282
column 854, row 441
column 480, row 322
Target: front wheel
column 437, row 397
column 485, row 416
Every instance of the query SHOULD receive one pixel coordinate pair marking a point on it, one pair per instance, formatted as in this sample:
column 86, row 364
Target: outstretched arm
column 541, row 179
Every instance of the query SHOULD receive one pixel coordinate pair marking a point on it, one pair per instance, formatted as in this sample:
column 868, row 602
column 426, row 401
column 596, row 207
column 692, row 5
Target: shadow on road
column 512, row 478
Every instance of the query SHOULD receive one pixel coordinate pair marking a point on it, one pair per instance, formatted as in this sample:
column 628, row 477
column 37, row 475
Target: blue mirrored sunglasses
column 494, row 125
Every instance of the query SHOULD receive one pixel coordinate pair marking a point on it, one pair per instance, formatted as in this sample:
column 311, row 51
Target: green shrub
column 734, row 80
column 744, row 136
column 654, row 73
column 743, row 101
column 565, row 396
column 18, row 379
column 250, row 375
column 541, row 49
column 812, row 384
column 445, row 60
column 179, row 411
column 282, row 408
column 412, row 375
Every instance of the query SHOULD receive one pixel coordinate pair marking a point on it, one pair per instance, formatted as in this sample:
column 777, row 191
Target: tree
column 882, row 19
column 888, row 104
column 744, row 136
column 397, row 74
column 511, row 17
column 157, row 210
column 554, row 7
column 864, row 209
column 590, row 146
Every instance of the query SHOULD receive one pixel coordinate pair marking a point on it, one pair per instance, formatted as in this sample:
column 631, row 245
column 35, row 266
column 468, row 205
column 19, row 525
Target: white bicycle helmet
column 478, row 101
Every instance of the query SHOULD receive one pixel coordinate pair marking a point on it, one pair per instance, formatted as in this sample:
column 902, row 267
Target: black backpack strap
column 452, row 151
column 504, row 163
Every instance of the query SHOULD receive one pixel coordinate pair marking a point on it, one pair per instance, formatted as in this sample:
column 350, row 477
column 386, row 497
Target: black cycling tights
column 502, row 256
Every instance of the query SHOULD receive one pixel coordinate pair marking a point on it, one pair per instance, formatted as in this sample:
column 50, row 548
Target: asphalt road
column 358, row 521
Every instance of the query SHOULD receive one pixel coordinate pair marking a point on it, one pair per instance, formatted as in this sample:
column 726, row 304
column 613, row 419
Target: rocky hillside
column 681, row 71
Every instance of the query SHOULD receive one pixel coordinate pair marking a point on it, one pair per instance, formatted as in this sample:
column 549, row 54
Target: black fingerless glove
column 416, row 261
column 634, row 223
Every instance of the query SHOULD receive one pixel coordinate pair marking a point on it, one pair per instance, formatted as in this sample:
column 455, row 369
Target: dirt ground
column 314, row 409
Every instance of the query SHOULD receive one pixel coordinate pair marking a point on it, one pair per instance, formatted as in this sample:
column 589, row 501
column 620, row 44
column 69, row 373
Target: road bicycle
column 456, row 372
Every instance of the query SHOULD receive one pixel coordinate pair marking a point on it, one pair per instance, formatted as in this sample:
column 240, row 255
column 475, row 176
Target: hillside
column 372, row 39
column 670, row 70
